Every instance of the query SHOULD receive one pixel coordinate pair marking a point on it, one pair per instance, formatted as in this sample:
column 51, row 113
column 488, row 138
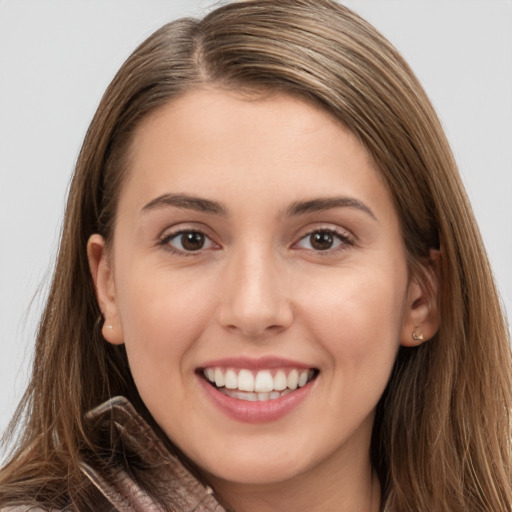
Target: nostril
column 255, row 323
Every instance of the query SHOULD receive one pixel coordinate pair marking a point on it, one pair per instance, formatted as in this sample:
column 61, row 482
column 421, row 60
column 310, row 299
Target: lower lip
column 260, row 411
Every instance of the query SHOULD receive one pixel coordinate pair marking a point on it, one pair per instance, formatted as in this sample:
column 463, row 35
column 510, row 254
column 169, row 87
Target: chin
column 252, row 472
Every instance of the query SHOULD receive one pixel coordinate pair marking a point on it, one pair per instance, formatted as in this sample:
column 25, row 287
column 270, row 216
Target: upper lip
column 260, row 363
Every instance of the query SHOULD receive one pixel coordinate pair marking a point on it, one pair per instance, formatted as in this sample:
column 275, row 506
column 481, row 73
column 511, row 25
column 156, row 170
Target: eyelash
column 345, row 241
column 165, row 242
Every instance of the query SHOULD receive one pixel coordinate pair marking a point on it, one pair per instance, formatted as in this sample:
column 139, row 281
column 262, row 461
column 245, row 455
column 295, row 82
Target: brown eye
column 192, row 241
column 188, row 241
column 321, row 240
column 324, row 240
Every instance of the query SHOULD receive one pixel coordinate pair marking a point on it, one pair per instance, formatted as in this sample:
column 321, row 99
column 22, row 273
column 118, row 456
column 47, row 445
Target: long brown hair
column 442, row 433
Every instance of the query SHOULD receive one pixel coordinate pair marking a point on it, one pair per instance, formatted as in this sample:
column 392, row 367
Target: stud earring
column 417, row 337
column 108, row 326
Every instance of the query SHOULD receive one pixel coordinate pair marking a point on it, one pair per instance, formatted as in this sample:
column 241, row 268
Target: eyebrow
column 186, row 202
column 200, row 204
column 327, row 203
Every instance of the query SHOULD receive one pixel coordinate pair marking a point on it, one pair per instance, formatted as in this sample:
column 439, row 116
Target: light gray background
column 57, row 57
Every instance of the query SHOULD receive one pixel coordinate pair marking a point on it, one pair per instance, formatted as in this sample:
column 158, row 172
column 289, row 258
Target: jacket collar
column 134, row 458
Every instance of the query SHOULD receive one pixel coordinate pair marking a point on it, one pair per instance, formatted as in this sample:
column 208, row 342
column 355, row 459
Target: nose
column 254, row 296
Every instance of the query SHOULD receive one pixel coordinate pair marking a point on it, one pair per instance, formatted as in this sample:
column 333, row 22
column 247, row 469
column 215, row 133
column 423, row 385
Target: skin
column 258, row 287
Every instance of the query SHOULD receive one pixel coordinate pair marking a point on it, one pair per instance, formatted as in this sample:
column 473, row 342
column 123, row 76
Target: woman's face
column 258, row 279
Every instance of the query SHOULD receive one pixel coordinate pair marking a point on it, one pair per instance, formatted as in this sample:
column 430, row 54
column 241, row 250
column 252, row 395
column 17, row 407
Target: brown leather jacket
column 120, row 487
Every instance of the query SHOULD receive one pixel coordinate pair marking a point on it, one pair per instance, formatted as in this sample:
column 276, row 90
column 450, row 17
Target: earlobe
column 422, row 315
column 102, row 275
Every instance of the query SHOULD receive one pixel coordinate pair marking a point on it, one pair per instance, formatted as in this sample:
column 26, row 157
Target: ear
column 422, row 315
column 103, row 277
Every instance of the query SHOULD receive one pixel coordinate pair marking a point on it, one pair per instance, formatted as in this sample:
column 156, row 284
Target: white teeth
column 293, row 379
column 303, row 378
column 280, row 381
column 219, row 377
column 245, row 381
column 231, row 380
column 248, row 397
column 261, row 385
column 264, row 382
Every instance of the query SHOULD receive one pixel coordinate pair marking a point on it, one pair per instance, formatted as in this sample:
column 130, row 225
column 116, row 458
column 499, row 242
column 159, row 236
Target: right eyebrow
column 186, row 202
column 326, row 203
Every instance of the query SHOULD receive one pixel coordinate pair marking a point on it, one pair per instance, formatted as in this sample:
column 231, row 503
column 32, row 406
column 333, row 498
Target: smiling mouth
column 257, row 386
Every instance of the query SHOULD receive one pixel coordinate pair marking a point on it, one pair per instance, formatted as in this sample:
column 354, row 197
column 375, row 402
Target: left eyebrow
column 327, row 203
column 186, row 202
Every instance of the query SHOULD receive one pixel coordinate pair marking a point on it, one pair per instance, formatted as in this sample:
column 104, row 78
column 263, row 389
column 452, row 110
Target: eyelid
column 346, row 237
column 172, row 233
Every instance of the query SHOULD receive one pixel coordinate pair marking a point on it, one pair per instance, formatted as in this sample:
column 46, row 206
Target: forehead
column 217, row 115
column 213, row 140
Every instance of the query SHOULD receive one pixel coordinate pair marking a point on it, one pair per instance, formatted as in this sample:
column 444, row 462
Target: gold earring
column 417, row 337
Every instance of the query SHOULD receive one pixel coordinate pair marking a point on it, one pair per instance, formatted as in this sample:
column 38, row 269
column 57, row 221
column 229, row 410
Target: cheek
column 162, row 313
column 162, row 318
column 358, row 318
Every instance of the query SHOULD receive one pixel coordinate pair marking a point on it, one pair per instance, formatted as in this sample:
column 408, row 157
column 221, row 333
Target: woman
column 267, row 251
